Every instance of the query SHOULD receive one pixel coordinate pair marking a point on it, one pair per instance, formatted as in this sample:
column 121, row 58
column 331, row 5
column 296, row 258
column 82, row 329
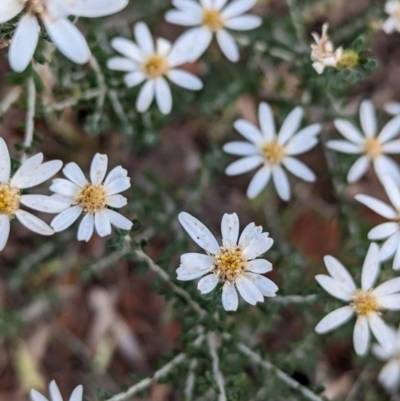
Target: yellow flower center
column 9, row 199
column 229, row 264
column 213, row 20
column 92, row 198
column 273, row 152
column 373, row 147
column 364, row 303
column 35, row 6
column 155, row 66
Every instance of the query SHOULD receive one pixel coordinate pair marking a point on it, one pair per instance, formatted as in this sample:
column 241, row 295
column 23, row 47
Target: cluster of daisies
column 73, row 196
column 234, row 264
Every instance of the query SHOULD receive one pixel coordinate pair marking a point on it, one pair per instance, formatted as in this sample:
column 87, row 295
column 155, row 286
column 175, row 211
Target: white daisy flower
column 392, row 23
column 146, row 62
column 272, row 150
column 233, row 262
column 31, row 173
column 390, row 230
column 55, row 394
column 392, row 108
column 213, row 17
column 92, row 198
column 323, row 53
column 371, row 146
column 365, row 303
column 389, row 376
column 53, row 15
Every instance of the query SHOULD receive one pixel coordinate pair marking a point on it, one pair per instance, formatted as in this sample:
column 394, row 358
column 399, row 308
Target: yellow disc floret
column 9, row 199
column 155, row 66
column 35, row 6
column 364, row 303
column 273, row 152
column 229, row 264
column 213, row 20
column 92, row 198
column 373, row 147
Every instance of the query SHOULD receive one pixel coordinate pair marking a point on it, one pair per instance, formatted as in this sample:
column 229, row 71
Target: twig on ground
column 30, row 117
column 219, row 378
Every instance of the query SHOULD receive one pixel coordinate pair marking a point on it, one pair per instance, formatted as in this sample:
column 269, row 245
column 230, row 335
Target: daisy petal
column 66, row 218
column 98, row 168
column 230, row 229
column 4, row 230
column 290, row 125
column 185, row 79
column 349, row 131
column 24, row 173
column 377, row 206
column 134, row 78
column 392, row 108
column 380, row 329
column 392, row 147
column 102, row 223
column 259, row 266
column 390, row 130
column 43, row 203
column 86, row 227
column 54, row 391
column 250, row 231
column 249, row 292
column 116, row 201
column 128, row 49
column 267, row 122
column 368, row 118
column 199, row 233
column 96, row 9
column 343, row 146
column 281, row 183
column 339, row 273
column 390, row 302
column 385, row 166
column 143, row 38
column 207, row 283
column 389, row 376
column 259, row 182
column 117, row 220
column 36, row 396
column 9, row 9
column 228, row 45
column 77, row 394
column 239, row 148
column 335, row 288
column 267, row 287
column 383, row 230
column 181, row 18
column 5, row 163
column 299, row 169
column 388, row 288
column 300, row 144
column 230, row 299
column 237, row 7
column 24, row 42
column 64, row 187
column 186, row 275
column 33, row 223
column 249, row 131
column 67, row 38
column 334, row 319
column 361, row 336
column 163, row 96
column 74, row 173
column 40, row 174
column 196, row 261
column 121, row 64
column 117, row 186
column 244, row 165
column 358, row 169
column 370, row 269
column 146, row 96
column 257, row 246
column 389, row 247
column 244, row 23
column 115, row 174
